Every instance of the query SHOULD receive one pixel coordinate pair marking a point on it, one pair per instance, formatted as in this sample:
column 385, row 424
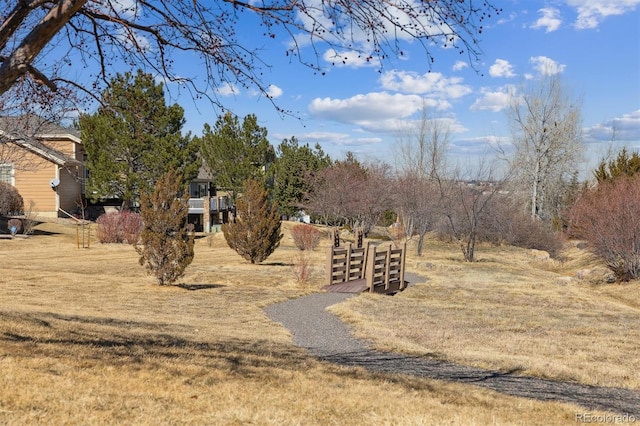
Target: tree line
column 527, row 194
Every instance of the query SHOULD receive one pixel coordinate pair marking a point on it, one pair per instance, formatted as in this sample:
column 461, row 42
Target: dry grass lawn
column 512, row 310
column 87, row 338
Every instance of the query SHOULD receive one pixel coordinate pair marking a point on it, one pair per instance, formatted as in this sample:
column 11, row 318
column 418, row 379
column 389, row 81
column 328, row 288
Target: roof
column 27, row 131
column 31, row 126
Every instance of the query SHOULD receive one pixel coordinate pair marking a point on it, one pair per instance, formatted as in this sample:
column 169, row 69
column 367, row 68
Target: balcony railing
column 196, row 205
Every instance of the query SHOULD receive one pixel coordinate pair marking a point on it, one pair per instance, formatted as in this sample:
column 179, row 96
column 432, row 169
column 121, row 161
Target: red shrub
column 607, row 218
column 119, row 227
column 305, row 237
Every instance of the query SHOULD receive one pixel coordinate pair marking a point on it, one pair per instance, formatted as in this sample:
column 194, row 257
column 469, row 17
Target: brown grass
column 87, row 338
column 513, row 309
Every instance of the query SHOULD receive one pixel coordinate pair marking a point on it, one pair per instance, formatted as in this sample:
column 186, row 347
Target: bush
column 255, row 233
column 11, row 202
column 507, row 223
column 14, row 225
column 607, row 218
column 305, row 237
column 119, row 227
column 167, row 248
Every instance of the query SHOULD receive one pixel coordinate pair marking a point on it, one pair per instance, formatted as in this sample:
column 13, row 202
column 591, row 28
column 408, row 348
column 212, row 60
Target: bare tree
column 40, row 39
column 466, row 203
column 546, row 125
column 421, row 146
column 417, row 201
column 421, row 161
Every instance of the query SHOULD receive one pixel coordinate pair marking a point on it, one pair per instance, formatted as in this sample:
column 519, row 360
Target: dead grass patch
column 87, row 338
column 506, row 312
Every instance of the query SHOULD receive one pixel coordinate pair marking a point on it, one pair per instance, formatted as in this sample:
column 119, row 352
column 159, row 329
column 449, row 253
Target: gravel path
column 328, row 338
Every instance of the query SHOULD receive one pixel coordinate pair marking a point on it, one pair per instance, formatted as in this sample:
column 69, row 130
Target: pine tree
column 167, row 247
column 236, row 151
column 133, row 138
column 255, row 233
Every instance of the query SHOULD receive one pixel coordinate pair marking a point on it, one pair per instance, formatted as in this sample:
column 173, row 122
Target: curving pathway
column 328, row 338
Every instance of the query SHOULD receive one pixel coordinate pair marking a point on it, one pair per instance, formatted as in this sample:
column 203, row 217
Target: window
column 6, row 173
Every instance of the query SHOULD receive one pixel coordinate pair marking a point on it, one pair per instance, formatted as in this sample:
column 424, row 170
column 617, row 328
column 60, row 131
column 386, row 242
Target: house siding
column 69, row 189
column 33, row 184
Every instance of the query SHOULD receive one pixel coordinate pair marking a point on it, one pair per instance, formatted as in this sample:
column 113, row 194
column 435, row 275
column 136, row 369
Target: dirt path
column 328, row 338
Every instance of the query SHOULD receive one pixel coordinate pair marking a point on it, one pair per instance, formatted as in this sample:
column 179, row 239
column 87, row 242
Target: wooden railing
column 380, row 269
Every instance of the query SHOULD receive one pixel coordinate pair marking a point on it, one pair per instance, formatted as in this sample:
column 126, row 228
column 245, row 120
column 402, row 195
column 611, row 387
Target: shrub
column 607, row 218
column 14, row 225
column 302, row 267
column 130, row 226
column 11, row 202
column 255, row 233
column 506, row 223
column 119, row 227
column 305, row 237
column 107, row 228
column 167, row 247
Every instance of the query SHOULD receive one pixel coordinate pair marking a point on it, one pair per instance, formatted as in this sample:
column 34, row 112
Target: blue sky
column 593, row 44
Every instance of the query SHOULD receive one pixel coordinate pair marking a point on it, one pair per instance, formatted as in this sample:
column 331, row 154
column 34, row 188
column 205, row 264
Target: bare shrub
column 607, row 218
column 119, row 227
column 11, row 202
column 507, row 223
column 15, row 226
column 130, row 226
column 29, row 218
column 302, row 267
column 305, row 237
column 107, row 229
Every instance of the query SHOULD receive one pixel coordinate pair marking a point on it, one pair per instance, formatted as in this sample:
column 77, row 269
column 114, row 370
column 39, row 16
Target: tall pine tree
column 236, row 151
column 134, row 138
column 293, row 169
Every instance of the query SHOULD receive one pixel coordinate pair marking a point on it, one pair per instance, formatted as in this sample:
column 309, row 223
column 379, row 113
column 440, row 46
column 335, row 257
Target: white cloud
column 592, row 12
column 550, row 19
column 372, row 106
column 374, row 112
column 494, row 100
column 501, row 68
column 337, row 139
column 274, row 91
column 546, row 66
column 460, row 65
column 625, row 129
column 227, row 89
column 430, row 84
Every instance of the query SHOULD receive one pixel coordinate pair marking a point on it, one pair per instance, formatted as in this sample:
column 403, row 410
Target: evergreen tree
column 293, row 171
column 235, row 152
column 623, row 165
column 167, row 247
column 255, row 233
column 134, row 138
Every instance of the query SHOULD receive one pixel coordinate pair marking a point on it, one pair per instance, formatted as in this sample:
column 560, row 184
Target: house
column 45, row 162
column 208, row 207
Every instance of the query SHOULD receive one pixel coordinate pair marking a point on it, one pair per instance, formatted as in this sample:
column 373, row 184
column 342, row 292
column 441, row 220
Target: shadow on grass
column 193, row 287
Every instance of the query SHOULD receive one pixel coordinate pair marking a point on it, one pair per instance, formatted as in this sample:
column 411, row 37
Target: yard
column 87, row 338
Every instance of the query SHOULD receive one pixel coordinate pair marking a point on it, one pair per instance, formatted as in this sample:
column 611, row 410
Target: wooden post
column 371, row 267
column 402, row 259
column 347, row 271
column 329, row 265
column 387, row 264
